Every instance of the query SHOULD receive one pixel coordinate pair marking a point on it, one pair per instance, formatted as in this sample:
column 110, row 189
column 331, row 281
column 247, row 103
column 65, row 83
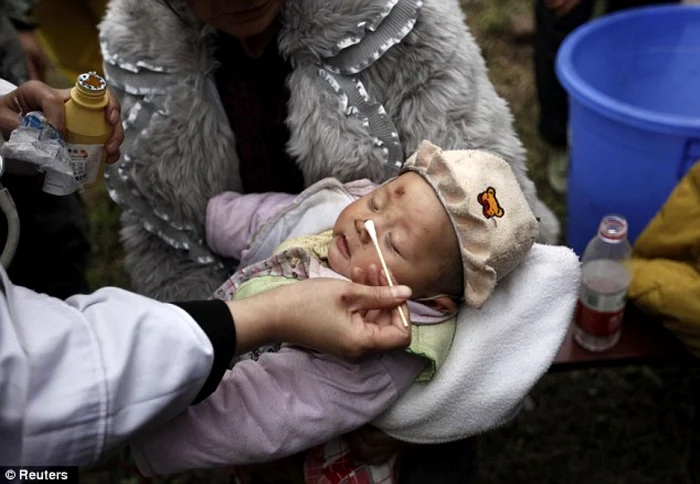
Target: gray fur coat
column 371, row 80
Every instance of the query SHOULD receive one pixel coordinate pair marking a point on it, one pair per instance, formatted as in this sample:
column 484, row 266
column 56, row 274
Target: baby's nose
column 362, row 231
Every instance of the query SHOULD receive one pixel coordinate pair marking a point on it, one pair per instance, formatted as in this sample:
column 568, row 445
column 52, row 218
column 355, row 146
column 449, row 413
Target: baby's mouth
column 342, row 244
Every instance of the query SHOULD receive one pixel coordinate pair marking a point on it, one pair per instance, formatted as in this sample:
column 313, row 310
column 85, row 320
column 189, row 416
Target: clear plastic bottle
column 87, row 129
column 606, row 278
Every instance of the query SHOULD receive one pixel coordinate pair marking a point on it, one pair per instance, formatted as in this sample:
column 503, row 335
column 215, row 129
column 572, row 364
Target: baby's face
column 413, row 230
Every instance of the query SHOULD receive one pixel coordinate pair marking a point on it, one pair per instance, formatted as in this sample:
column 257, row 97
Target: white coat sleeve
column 80, row 378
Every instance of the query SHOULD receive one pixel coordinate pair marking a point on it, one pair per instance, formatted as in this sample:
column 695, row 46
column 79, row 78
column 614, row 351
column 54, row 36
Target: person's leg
column 551, row 30
column 54, row 249
column 449, row 463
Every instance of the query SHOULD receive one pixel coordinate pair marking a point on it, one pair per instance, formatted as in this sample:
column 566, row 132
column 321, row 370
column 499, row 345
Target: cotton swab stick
column 372, row 231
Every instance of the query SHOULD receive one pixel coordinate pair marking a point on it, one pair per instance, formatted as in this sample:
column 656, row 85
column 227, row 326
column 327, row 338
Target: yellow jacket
column 666, row 263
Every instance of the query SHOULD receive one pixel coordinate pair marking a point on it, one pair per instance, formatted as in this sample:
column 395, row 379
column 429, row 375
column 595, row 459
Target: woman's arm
column 81, row 377
column 233, row 219
column 274, row 407
column 294, row 399
column 291, row 400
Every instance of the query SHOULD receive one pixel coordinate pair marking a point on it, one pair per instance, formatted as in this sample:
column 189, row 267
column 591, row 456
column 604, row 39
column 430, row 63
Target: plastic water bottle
column 606, row 278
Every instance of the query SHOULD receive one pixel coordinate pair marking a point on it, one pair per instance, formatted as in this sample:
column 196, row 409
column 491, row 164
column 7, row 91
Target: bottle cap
column 613, row 227
column 91, row 82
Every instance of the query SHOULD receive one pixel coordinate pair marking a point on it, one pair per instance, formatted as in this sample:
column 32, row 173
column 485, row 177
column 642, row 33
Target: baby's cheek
column 367, row 259
column 338, row 262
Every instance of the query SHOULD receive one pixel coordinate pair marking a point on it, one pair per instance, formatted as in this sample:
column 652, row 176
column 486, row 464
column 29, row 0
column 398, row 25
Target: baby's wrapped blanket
column 499, row 352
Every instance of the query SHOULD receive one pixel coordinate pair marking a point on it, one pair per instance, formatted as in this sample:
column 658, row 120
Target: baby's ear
column 444, row 304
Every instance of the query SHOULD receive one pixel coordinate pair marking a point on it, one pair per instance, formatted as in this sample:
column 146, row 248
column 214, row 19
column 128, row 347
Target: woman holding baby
column 260, row 96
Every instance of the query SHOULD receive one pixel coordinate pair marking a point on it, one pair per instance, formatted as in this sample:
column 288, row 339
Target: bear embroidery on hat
column 490, row 204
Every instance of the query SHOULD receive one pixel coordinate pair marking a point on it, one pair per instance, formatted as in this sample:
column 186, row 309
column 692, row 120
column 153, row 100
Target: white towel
column 497, row 356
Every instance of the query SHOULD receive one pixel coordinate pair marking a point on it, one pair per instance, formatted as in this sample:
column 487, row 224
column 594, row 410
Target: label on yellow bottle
column 85, row 161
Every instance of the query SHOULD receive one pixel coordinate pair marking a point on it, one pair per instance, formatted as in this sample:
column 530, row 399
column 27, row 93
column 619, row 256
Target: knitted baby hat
column 493, row 221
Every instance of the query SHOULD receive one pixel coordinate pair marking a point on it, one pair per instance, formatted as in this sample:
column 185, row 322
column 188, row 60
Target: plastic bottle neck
column 90, row 91
column 613, row 229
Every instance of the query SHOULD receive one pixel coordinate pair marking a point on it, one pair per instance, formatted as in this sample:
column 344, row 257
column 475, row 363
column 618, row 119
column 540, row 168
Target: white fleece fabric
column 499, row 352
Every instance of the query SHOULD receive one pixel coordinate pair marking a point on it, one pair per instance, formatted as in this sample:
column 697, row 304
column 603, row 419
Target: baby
column 449, row 226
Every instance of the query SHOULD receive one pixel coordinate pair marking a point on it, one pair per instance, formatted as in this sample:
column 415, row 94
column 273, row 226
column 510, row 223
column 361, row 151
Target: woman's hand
column 327, row 315
column 37, row 96
column 374, row 276
column 33, row 96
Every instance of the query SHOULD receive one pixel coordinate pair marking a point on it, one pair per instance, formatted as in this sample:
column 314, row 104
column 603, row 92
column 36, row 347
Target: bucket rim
column 608, row 106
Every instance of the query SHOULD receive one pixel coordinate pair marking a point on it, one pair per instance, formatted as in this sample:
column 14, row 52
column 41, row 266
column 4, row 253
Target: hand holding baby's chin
column 373, row 276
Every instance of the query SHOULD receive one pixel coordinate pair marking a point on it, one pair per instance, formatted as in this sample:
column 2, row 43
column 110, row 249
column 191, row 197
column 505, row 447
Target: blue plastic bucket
column 633, row 80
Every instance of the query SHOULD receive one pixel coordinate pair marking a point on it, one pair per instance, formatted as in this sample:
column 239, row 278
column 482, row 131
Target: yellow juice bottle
column 87, row 128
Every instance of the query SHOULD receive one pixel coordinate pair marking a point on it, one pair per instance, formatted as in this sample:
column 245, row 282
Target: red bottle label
column 600, row 313
column 596, row 322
